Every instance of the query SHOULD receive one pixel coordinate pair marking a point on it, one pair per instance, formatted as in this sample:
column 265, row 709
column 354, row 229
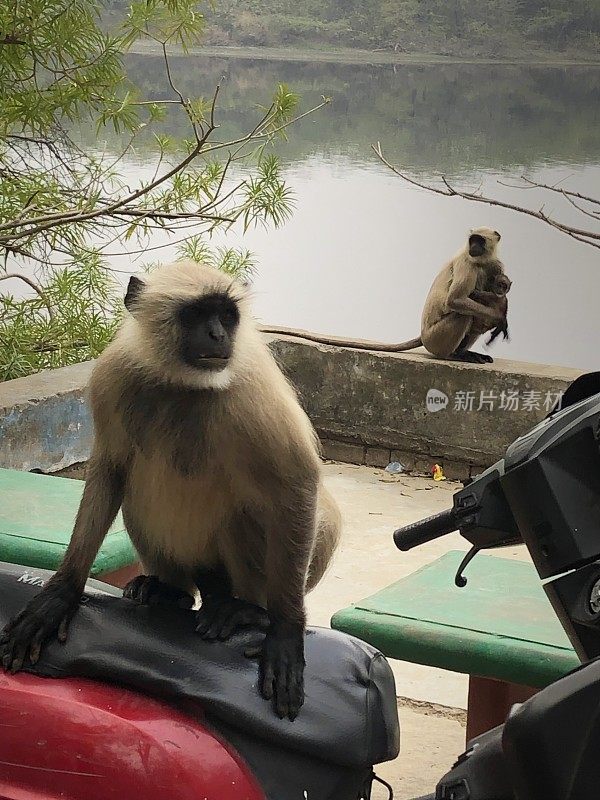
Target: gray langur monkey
column 201, row 441
column 449, row 310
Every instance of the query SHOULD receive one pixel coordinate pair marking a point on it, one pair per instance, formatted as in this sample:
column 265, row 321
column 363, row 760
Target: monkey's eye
column 190, row 315
column 229, row 316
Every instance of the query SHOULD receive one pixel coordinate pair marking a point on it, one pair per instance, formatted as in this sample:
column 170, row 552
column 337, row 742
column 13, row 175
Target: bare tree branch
column 53, row 348
column 153, row 214
column 556, row 188
column 262, row 135
column 11, row 38
column 584, row 211
column 589, row 237
column 33, row 285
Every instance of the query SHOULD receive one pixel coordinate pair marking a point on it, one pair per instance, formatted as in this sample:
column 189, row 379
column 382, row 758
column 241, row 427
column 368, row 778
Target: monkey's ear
column 498, row 235
column 134, row 289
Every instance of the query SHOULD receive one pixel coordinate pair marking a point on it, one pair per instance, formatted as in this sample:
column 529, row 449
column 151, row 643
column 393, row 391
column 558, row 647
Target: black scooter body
column 547, row 749
column 545, row 492
column 552, row 742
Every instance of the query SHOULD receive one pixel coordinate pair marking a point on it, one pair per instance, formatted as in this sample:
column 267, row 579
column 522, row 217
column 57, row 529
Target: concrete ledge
column 368, row 408
column 45, row 423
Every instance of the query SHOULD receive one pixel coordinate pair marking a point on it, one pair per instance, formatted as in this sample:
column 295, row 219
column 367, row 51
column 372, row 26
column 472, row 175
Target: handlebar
column 426, row 530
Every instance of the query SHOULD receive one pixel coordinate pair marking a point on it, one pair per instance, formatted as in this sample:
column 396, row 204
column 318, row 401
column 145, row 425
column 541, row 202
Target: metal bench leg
column 490, row 701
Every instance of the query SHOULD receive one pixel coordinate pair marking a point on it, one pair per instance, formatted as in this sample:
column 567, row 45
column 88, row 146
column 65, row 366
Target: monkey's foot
column 46, row 614
column 148, row 590
column 281, row 668
column 500, row 329
column 219, row 618
column 470, row 357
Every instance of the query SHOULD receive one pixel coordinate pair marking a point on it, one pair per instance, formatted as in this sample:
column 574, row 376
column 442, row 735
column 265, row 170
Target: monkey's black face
column 208, row 327
column 502, row 285
column 477, row 245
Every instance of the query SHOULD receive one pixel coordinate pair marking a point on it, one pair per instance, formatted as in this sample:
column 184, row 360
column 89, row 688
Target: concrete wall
column 45, row 422
column 367, row 408
column 372, row 407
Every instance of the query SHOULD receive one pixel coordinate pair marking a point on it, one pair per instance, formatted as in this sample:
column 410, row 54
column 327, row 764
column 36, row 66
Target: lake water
column 362, row 247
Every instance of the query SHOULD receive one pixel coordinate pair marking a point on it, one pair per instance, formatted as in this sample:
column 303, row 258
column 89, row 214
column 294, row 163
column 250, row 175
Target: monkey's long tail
column 336, row 341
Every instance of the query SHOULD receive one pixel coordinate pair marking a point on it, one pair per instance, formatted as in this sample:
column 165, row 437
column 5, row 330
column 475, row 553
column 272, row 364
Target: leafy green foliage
column 85, row 313
column 240, row 264
column 267, row 196
column 173, row 21
column 63, row 206
column 52, row 60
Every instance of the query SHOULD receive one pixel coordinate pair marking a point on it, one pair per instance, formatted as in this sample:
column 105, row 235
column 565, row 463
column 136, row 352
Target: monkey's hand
column 495, row 318
column 149, row 590
column 484, row 297
column 281, row 667
column 49, row 613
column 219, row 617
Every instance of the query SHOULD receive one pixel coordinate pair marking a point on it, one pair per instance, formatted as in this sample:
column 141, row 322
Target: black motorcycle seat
column 349, row 716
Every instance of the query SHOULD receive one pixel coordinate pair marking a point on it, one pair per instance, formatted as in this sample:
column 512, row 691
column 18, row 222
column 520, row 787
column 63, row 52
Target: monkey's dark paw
column 148, row 590
column 281, row 668
column 219, row 619
column 22, row 639
column 470, row 357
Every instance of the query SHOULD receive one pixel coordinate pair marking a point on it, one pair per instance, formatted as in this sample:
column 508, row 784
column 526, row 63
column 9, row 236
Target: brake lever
column 459, row 578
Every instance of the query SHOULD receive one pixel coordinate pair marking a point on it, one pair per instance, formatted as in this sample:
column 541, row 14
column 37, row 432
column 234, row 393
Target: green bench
column 37, row 513
column 500, row 630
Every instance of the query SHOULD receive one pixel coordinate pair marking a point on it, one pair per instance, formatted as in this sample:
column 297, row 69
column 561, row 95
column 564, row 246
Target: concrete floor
column 431, row 701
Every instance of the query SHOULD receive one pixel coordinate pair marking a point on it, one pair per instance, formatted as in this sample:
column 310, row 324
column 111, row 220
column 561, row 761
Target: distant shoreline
column 350, row 56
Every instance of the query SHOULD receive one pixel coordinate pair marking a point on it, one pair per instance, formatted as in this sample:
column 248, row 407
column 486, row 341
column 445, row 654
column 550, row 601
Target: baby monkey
column 494, row 297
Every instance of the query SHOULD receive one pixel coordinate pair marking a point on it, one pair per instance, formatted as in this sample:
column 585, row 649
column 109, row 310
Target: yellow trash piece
column 438, row 473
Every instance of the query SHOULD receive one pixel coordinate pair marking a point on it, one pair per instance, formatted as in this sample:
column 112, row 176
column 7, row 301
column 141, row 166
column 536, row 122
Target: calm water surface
column 362, row 247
